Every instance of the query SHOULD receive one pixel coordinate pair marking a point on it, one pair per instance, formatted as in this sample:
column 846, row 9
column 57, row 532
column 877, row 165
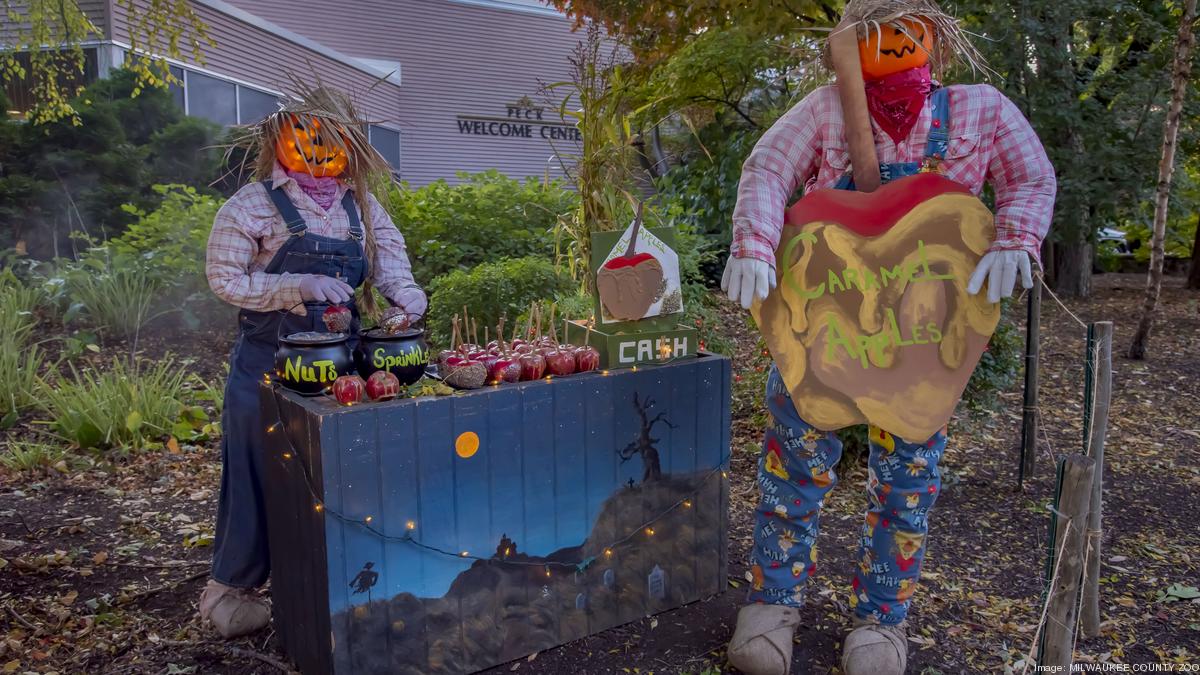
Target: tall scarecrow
column 884, row 119
column 304, row 236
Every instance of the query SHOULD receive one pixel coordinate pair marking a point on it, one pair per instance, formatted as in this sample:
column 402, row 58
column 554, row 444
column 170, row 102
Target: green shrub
column 19, row 304
column 997, row 369
column 492, row 290
column 486, row 218
column 19, row 366
column 123, row 406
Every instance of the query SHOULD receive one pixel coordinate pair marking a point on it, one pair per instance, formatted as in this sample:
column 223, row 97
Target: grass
column 19, row 366
column 18, row 304
column 124, row 406
column 118, row 301
column 31, row 456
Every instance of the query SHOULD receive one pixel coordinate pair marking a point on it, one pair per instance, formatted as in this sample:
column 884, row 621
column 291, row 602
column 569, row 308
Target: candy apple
column 533, row 366
column 337, row 318
column 587, row 359
column 349, row 389
column 383, row 386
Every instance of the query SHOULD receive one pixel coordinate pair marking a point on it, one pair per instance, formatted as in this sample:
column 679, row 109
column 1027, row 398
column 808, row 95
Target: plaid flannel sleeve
column 391, row 269
column 232, row 247
column 1024, row 181
column 784, row 158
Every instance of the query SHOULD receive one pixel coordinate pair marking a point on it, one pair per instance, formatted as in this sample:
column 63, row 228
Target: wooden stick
column 1096, row 428
column 553, row 328
column 1029, row 420
column 1066, row 563
column 843, row 51
column 466, row 325
column 475, row 331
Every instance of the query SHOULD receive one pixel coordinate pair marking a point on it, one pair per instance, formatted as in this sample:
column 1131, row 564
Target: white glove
column 746, row 279
column 1000, row 269
column 413, row 301
column 320, row 288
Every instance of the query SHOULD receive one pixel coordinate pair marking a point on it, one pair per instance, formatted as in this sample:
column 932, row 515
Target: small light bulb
column 368, row 519
column 464, row 554
column 318, row 507
column 650, row 531
column 687, row 503
column 287, row 455
column 608, row 552
column 411, row 525
column 604, row 373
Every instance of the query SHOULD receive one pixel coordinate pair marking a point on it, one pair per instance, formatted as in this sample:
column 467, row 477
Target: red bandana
column 895, row 101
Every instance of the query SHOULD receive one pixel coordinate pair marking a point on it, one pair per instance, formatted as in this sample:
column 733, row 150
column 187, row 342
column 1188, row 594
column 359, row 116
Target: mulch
column 100, row 568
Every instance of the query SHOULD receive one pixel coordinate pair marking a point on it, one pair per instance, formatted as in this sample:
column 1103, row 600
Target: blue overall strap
column 939, row 125
column 291, row 216
column 356, row 231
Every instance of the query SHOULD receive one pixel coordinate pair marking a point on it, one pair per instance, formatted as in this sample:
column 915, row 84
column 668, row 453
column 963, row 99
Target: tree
column 1181, row 68
column 157, row 29
column 1193, row 280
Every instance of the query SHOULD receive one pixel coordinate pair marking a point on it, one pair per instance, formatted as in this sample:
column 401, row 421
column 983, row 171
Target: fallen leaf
column 100, row 558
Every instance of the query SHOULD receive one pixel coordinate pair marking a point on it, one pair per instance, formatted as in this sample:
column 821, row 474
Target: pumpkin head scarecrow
column 291, row 249
column 885, row 118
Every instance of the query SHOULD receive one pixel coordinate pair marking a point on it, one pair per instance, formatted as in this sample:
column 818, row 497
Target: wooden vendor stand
column 451, row 534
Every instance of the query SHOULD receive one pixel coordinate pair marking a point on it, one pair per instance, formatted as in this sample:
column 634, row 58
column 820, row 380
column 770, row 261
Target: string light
column 577, row 567
column 271, row 429
column 604, row 373
column 287, row 455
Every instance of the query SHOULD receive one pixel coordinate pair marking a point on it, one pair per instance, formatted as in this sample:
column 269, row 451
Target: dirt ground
column 100, row 567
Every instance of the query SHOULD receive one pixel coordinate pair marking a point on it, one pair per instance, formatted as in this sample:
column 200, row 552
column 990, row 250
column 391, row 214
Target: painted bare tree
column 644, row 445
column 1180, row 70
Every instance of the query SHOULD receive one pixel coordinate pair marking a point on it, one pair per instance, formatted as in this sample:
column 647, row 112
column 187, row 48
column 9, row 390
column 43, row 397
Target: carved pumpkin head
column 896, row 47
column 309, row 145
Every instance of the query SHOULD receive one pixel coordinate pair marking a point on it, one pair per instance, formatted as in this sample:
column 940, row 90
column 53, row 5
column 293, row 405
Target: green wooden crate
column 636, row 347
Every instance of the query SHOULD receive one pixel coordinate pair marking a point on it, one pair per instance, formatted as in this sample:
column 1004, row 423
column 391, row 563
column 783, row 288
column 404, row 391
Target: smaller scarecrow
column 305, row 235
column 885, row 118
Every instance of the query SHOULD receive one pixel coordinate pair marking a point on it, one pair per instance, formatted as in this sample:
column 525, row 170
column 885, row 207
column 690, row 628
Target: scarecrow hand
column 746, row 279
column 412, row 300
column 320, row 288
column 1000, row 270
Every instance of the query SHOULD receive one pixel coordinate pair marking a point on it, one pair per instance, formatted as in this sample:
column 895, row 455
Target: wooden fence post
column 1029, row 421
column 1098, row 388
column 1066, row 561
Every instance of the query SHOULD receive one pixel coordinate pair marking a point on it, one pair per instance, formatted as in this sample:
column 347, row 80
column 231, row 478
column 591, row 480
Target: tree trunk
column 1193, row 280
column 1180, row 70
column 1073, row 267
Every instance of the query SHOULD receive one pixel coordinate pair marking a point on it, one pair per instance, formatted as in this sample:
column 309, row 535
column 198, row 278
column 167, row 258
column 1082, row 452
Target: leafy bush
column 486, row 218
column 492, row 290
column 123, row 406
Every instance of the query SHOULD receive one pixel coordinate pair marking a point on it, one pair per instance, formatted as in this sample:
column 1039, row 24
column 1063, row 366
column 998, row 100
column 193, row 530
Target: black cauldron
column 308, row 363
column 404, row 354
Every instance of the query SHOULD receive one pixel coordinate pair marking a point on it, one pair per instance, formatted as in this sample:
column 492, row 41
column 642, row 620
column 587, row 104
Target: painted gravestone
column 871, row 321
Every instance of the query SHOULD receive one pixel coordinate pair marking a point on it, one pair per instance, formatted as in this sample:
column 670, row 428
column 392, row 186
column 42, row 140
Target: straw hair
column 952, row 45
column 365, row 168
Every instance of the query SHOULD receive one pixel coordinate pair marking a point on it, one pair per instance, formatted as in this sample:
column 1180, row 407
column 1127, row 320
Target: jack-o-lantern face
column 892, row 49
column 306, row 145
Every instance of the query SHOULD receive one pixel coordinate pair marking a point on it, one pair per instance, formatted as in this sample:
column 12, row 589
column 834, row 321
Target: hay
column 952, row 44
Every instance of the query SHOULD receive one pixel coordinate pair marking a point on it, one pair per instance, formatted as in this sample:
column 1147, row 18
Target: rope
column 407, row 538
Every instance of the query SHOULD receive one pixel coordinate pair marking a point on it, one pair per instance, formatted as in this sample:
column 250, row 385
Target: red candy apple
column 533, row 366
column 586, row 359
column 349, row 389
column 337, row 318
column 560, row 362
column 383, row 386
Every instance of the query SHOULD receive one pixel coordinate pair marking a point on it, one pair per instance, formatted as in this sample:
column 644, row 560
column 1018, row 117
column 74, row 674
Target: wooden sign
column 871, row 321
column 637, row 279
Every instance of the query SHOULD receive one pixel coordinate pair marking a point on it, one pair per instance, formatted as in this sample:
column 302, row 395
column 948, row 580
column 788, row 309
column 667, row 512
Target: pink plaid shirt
column 248, row 231
column 989, row 140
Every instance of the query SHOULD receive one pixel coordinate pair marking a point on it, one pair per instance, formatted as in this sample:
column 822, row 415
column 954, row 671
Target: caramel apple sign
column 871, row 322
column 631, row 283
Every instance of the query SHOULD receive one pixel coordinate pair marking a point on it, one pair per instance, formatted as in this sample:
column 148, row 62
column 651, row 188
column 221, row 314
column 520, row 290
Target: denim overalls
column 241, row 557
column 796, row 471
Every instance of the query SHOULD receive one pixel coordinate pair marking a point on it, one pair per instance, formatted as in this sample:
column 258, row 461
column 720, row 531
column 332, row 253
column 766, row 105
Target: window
column 20, row 92
column 253, row 105
column 211, row 98
column 387, row 142
column 176, row 88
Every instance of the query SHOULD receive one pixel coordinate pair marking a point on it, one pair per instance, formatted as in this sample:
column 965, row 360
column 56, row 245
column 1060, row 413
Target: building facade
column 449, row 85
